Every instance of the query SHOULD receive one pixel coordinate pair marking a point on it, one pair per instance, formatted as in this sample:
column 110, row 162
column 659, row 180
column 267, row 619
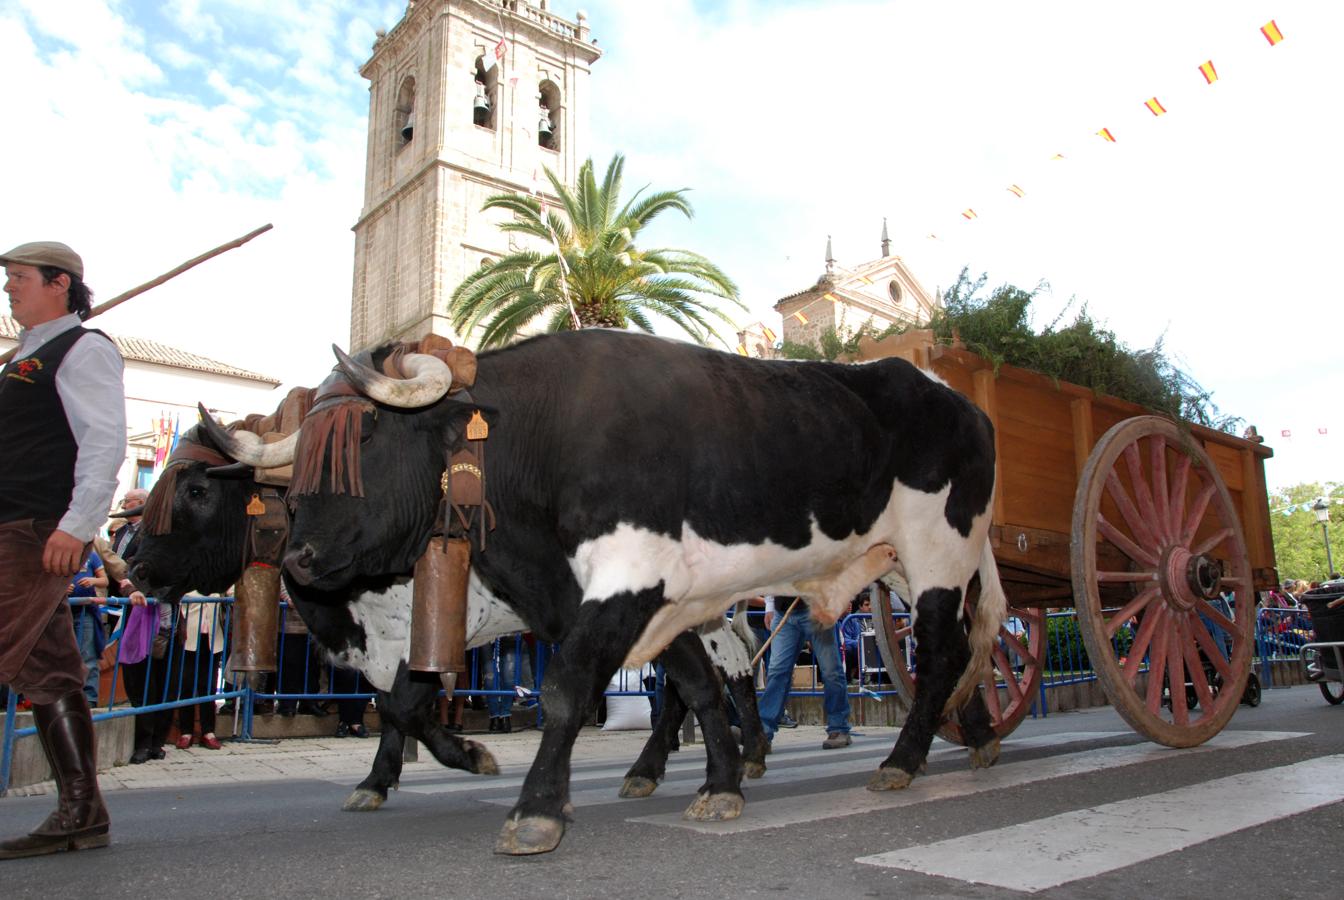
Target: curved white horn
column 430, row 378
column 249, row 448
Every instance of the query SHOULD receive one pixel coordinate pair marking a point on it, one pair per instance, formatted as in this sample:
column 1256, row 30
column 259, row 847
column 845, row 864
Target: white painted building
column 164, row 381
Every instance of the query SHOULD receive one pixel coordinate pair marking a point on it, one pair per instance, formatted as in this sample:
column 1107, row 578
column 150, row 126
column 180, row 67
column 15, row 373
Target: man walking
column 63, row 416
column 795, row 632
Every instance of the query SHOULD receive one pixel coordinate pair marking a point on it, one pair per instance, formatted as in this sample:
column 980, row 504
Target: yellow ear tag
column 477, row 428
column 255, row 507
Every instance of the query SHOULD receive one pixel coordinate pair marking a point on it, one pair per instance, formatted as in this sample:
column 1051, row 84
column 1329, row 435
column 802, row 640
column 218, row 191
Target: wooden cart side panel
column 1038, row 473
column 1045, row 430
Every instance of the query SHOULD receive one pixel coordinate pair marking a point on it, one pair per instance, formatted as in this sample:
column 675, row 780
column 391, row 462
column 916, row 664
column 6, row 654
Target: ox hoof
column 482, row 760
column 715, row 808
column 528, row 835
column 753, row 769
column 638, row 786
column 363, row 800
column 890, row 779
column 986, row 756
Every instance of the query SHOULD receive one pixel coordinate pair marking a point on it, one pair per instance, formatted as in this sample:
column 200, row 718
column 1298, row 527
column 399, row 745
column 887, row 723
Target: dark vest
column 37, row 449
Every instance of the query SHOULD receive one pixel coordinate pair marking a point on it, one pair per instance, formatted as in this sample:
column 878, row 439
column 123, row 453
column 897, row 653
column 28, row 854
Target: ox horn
column 246, row 447
column 429, row 379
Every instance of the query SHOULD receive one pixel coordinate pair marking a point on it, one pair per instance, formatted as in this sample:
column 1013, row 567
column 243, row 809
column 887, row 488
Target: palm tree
column 591, row 273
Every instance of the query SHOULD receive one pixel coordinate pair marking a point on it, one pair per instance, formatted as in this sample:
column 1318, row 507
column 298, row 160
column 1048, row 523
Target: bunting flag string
column 1272, row 34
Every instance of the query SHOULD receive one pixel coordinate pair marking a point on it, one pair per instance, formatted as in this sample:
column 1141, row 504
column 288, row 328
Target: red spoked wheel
column 1162, row 632
column 1008, row 688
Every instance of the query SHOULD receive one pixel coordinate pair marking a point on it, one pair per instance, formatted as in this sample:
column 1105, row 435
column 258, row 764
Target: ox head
column 367, row 470
column 195, row 520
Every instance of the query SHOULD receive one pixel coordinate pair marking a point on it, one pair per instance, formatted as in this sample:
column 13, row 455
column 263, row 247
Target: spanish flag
column 865, row 279
column 830, row 297
column 800, row 317
column 1272, row 33
column 1154, row 106
column 1208, row 71
column 1106, row 135
column 742, row 349
column 769, row 335
column 968, row 214
column 1016, row 191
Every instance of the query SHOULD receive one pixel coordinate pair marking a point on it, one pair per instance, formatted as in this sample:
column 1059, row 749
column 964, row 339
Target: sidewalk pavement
column 349, row 759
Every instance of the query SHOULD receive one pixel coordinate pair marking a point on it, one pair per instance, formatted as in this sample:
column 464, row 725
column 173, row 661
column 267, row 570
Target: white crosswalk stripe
column 1084, row 843
column 854, row 801
column 855, row 761
column 686, row 774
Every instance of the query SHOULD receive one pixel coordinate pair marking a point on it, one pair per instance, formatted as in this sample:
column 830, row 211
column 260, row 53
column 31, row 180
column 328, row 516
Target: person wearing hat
column 63, row 417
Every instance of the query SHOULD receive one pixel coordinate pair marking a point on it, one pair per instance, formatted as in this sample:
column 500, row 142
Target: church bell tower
column 467, row 98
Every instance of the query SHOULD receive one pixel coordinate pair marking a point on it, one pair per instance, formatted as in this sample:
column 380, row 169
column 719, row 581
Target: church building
column 467, row 99
column 877, row 293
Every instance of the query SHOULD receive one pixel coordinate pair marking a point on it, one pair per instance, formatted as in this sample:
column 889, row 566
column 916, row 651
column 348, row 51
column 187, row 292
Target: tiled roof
column 145, row 350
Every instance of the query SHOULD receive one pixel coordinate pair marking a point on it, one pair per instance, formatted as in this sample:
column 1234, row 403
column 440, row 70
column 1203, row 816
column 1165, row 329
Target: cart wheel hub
column 1187, row 578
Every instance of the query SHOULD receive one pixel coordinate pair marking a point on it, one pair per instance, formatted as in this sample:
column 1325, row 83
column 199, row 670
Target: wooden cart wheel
column 1016, row 663
column 1153, row 493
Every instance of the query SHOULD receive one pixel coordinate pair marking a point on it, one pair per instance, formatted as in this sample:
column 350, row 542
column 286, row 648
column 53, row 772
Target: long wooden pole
column 173, row 273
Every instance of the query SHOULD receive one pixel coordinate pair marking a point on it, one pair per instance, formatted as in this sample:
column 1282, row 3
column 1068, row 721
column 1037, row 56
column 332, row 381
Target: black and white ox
column 650, row 484
column 202, row 530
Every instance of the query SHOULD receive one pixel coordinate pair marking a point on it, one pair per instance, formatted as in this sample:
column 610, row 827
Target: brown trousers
column 39, row 657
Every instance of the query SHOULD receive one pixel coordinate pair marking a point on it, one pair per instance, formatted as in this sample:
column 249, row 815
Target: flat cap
column 46, row 253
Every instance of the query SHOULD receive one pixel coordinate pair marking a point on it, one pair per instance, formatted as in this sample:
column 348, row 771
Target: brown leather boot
column 80, row 820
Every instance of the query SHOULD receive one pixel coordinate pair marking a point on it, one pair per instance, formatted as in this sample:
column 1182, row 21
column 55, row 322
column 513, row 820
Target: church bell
column 408, row 130
column 481, row 105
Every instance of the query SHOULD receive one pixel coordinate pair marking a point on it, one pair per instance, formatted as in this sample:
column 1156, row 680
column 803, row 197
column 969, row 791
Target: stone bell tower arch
column 467, row 98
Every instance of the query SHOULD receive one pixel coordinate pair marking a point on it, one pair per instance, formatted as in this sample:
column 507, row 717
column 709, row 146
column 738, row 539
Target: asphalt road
column 1078, row 807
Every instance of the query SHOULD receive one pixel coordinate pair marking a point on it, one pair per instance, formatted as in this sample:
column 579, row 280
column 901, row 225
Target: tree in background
column 1299, row 546
column 591, row 272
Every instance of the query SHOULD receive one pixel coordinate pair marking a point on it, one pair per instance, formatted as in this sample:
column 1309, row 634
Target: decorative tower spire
column 886, row 241
column 830, row 258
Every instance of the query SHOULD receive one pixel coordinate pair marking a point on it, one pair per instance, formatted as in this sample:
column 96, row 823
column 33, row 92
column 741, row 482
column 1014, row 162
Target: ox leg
column 976, row 725
column 409, row 709
column 644, row 776
column 601, row 636
column 372, row 791
column 754, row 744
column 720, row 797
column 937, row 631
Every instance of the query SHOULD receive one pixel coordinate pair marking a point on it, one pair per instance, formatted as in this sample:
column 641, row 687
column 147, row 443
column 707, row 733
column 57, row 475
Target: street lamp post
column 1322, row 511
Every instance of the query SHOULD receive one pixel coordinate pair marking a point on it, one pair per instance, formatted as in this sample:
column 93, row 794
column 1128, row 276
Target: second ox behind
column 648, row 484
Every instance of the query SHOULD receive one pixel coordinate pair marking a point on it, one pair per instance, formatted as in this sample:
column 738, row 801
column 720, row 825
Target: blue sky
column 144, row 133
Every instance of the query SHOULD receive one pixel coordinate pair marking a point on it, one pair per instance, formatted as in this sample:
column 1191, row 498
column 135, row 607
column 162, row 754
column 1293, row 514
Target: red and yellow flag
column 1016, row 191
column 1106, row 135
column 968, row 214
column 1271, row 32
column 865, row 279
column 742, row 349
column 1208, row 71
column 1155, row 106
column 769, row 335
column 800, row 317
column 830, row 297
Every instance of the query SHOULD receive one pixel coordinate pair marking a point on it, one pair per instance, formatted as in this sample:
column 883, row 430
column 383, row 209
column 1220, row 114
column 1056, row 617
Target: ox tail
column 742, row 628
column 990, row 612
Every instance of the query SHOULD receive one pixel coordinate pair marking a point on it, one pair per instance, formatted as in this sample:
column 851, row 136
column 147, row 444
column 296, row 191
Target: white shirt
column 89, row 383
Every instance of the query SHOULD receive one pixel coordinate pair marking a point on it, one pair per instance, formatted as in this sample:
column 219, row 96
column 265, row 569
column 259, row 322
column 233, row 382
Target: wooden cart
column 1144, row 525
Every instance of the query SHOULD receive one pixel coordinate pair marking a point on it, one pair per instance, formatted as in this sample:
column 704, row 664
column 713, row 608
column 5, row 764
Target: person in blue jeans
column 795, row 632
column 88, row 618
column 509, row 668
